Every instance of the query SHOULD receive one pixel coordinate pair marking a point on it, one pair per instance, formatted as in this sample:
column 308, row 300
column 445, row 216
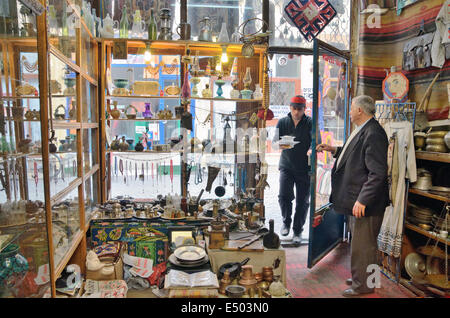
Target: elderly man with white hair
column 360, row 189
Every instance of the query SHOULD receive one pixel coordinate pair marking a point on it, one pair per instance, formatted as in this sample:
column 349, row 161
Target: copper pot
column 259, row 277
column 247, row 280
column 224, row 282
column 268, row 273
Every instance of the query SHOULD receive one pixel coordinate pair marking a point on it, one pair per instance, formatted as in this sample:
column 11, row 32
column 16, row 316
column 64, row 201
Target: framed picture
column 181, row 235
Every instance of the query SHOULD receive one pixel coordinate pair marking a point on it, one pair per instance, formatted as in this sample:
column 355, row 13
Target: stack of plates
column 443, row 191
column 440, row 223
column 189, row 256
column 421, row 215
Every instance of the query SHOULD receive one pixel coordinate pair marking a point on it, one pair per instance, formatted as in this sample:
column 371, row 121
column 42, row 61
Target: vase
column 223, row 35
column 148, row 111
column 123, row 146
column 124, row 25
column 115, row 144
column 195, row 81
column 257, row 94
column 219, row 84
column 13, row 267
column 72, row 111
column 139, row 146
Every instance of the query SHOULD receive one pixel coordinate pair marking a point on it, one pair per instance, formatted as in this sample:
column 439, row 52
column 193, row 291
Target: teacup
column 443, row 234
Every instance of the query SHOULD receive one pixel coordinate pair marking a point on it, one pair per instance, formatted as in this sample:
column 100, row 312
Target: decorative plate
column 396, row 86
column 189, row 253
column 172, row 90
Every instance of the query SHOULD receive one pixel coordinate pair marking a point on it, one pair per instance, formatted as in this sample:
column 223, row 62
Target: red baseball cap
column 298, row 101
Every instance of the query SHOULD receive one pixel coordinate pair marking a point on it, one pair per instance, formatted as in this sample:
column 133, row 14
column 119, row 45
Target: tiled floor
column 327, row 278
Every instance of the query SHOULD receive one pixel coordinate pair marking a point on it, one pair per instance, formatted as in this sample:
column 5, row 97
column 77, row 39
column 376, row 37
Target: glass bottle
column 65, row 28
column 152, row 28
column 123, row 31
column 247, row 78
column 235, row 37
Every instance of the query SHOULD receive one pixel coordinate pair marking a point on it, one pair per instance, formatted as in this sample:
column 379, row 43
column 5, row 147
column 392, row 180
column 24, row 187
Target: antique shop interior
column 138, row 157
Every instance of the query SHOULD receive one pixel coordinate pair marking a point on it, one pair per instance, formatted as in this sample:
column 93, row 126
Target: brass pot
column 437, row 134
column 419, row 140
column 436, row 148
column 115, row 113
column 435, row 141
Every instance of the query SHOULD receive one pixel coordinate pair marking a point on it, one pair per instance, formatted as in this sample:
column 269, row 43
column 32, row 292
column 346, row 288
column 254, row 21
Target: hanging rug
column 310, row 16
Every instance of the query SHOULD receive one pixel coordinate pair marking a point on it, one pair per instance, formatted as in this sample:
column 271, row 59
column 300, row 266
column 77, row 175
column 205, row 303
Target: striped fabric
column 377, row 49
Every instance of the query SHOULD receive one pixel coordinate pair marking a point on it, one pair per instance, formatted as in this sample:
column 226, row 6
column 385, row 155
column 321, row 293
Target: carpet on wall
column 327, row 278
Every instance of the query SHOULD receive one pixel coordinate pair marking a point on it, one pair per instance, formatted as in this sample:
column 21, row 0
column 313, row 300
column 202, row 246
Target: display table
column 219, row 257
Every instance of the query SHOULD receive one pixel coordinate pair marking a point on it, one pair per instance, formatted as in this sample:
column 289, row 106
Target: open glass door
column 330, row 120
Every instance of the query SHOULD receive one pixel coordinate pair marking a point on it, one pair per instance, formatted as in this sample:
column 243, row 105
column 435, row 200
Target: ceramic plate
column 173, row 260
column 190, row 253
column 288, row 145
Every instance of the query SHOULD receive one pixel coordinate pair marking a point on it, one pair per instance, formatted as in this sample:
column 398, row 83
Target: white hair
column 366, row 103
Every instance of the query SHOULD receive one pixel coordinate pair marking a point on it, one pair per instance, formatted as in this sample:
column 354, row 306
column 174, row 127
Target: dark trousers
column 302, row 183
column 363, row 248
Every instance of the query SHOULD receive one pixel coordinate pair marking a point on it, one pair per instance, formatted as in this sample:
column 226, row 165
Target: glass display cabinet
column 148, row 146
column 49, row 167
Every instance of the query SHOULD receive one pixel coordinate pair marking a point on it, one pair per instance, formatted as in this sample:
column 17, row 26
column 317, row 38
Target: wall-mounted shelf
column 426, row 233
column 433, row 156
column 430, row 195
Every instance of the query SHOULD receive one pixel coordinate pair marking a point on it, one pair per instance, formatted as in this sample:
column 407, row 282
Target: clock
column 396, row 86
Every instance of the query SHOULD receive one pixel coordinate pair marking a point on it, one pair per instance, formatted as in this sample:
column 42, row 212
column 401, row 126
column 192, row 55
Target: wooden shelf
column 430, row 195
column 214, row 99
column 426, row 233
column 20, row 97
column 238, row 100
column 143, row 152
column 142, row 96
column 174, row 44
column 5, row 157
column 433, row 156
column 35, row 97
column 143, row 119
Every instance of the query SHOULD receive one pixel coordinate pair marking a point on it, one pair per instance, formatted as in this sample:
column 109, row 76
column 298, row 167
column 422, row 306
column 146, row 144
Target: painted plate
column 189, row 253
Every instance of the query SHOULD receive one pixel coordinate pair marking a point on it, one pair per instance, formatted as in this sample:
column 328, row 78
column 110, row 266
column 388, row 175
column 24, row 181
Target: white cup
column 443, row 234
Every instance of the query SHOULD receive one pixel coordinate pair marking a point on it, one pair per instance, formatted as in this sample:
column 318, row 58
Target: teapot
column 137, row 30
column 107, row 30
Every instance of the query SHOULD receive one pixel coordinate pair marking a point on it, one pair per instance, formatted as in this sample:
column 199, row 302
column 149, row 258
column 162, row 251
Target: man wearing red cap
column 294, row 168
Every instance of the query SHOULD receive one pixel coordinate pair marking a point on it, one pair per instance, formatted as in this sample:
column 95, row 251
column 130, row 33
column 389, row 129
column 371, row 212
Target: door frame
column 318, row 48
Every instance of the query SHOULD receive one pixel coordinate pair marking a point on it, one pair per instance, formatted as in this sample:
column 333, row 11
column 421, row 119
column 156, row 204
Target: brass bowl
column 436, row 148
column 426, row 227
column 435, row 141
column 437, row 134
column 235, row 291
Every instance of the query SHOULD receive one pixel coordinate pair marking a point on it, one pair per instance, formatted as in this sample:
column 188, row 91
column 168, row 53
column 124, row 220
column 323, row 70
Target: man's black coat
column 362, row 172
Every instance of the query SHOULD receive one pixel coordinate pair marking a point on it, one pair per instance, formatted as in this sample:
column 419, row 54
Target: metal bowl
column 70, row 82
column 235, row 291
column 120, row 83
column 447, row 139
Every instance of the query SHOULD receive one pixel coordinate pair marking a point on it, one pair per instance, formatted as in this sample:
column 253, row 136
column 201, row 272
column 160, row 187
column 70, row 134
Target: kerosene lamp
column 166, row 24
